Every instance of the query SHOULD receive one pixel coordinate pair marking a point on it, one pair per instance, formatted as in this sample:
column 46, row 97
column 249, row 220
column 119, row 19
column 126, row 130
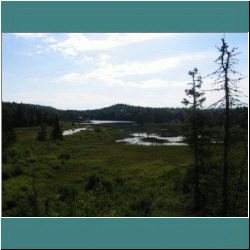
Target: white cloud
column 76, row 77
column 111, row 74
column 86, row 59
column 149, row 84
column 31, row 35
column 80, row 42
column 45, row 38
column 107, row 68
column 51, row 40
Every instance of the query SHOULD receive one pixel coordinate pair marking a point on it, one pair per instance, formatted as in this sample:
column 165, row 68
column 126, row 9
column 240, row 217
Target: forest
column 28, row 115
column 61, row 163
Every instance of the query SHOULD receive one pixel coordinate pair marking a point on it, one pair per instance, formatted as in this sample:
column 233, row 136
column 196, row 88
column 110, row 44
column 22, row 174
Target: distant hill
column 123, row 112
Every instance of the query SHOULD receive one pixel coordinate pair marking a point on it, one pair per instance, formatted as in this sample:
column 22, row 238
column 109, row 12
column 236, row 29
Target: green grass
column 89, row 174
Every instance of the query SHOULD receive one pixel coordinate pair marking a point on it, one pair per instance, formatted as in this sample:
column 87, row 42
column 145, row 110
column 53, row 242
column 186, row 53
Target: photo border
column 125, row 16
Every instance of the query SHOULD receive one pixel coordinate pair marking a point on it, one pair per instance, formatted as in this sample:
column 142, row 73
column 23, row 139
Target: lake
column 106, row 121
column 142, row 138
column 153, row 140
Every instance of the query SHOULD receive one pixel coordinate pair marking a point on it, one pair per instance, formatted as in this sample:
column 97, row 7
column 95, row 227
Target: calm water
column 74, row 131
column 103, row 122
column 138, row 139
column 92, row 122
column 135, row 138
column 142, row 138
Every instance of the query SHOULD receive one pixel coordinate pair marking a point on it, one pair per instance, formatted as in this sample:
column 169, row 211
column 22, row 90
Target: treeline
column 211, row 117
column 29, row 115
column 25, row 115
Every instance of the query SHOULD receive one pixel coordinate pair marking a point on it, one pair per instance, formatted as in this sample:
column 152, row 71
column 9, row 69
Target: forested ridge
column 25, row 115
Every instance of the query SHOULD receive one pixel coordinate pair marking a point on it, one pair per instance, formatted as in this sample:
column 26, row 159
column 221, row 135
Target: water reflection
column 141, row 139
column 92, row 122
column 103, row 122
column 145, row 139
column 74, row 131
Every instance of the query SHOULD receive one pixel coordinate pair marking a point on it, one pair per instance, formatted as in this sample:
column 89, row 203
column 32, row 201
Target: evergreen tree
column 20, row 116
column 42, row 133
column 8, row 133
column 56, row 132
column 195, row 103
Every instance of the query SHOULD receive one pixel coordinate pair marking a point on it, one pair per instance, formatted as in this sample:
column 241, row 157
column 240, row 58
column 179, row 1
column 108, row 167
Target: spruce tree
column 42, row 133
column 56, row 132
column 195, row 103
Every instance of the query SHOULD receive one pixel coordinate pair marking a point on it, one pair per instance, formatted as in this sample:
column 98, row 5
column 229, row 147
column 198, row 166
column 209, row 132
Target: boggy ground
column 89, row 174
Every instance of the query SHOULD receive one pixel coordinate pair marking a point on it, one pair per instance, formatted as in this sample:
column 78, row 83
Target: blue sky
column 94, row 70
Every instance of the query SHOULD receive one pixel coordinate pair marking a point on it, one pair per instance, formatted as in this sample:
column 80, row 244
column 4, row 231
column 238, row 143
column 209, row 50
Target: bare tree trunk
column 226, row 132
column 195, row 136
column 197, row 188
column 226, row 151
column 228, row 84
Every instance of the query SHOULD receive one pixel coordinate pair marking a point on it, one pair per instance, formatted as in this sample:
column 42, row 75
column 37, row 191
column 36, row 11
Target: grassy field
column 89, row 174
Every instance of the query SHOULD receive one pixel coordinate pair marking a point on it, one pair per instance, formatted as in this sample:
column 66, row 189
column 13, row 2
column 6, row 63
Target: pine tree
column 42, row 133
column 195, row 104
column 57, row 133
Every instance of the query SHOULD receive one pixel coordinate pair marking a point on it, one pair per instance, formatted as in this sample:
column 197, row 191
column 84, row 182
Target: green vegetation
column 89, row 174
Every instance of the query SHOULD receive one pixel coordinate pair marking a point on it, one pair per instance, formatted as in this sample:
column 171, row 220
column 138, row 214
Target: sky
column 80, row 71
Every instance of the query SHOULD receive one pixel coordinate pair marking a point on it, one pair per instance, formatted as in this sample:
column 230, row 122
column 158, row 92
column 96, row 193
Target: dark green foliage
column 107, row 185
column 197, row 97
column 25, row 115
column 42, row 133
column 5, row 176
column 140, row 207
column 97, row 130
column 57, row 132
column 92, row 175
column 33, row 196
column 67, row 193
column 65, row 156
column 195, row 141
column 17, row 171
column 8, row 132
column 211, row 185
column 36, row 115
column 92, row 182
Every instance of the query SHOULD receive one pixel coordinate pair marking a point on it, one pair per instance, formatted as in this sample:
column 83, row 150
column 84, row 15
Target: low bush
column 65, row 156
column 17, row 171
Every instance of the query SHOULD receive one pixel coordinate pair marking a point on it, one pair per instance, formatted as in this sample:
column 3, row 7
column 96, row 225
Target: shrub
column 10, row 204
column 5, row 176
column 92, row 182
column 67, row 193
column 108, row 186
column 57, row 132
column 65, row 156
column 141, row 207
column 17, row 171
column 42, row 133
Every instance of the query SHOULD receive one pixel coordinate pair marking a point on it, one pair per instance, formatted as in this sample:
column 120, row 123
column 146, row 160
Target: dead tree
column 228, row 83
